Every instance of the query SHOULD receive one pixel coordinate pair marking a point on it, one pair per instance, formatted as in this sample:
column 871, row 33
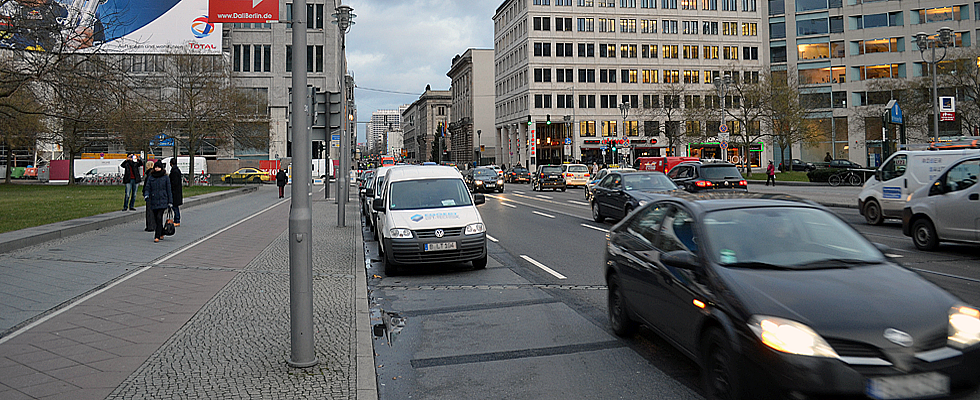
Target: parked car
column 620, row 193
column 575, row 174
column 247, row 175
column 483, row 180
column 948, row 210
column 597, row 177
column 772, row 297
column 796, row 165
column 698, row 177
column 844, row 164
column 548, row 176
column 517, row 175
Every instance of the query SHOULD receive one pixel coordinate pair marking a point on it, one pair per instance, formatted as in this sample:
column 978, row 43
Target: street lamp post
column 722, row 89
column 944, row 40
column 343, row 18
column 625, row 108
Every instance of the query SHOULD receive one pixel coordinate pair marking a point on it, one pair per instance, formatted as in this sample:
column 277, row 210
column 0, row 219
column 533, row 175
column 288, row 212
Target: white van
column 948, row 210
column 885, row 194
column 426, row 215
column 184, row 163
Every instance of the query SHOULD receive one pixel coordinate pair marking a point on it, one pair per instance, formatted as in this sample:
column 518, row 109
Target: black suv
column 483, row 180
column 548, row 176
column 517, row 175
column 698, row 177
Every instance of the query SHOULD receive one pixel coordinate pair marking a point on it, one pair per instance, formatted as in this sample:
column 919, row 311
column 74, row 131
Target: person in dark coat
column 281, row 179
column 132, row 176
column 158, row 196
column 151, row 225
column 177, row 187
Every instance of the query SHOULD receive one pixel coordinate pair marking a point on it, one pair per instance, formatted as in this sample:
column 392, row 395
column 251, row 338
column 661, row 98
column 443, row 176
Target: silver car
column 948, row 210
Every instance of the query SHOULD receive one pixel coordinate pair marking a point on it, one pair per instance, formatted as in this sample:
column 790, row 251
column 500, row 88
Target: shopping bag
column 168, row 225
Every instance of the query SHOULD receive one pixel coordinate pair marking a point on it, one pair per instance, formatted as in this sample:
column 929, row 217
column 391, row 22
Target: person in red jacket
column 771, row 174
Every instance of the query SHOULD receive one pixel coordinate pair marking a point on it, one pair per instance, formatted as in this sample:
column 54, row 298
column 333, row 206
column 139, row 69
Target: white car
column 575, row 174
column 426, row 215
column 948, row 210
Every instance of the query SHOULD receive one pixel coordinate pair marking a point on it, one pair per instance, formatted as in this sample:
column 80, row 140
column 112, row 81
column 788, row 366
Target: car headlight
column 399, row 233
column 964, row 327
column 643, row 202
column 500, row 181
column 473, row 229
column 790, row 337
column 478, row 182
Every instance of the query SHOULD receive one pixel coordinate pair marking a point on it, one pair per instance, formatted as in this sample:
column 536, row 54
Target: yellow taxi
column 247, row 175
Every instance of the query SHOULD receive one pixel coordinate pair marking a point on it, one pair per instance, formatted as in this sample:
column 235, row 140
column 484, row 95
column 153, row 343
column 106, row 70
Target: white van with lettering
column 885, row 194
column 426, row 215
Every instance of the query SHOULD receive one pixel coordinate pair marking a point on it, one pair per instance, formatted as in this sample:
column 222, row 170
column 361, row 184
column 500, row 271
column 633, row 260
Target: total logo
column 201, row 28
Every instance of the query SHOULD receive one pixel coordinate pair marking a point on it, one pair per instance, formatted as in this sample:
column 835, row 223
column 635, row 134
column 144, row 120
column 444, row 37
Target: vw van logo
column 898, row 337
column 440, row 233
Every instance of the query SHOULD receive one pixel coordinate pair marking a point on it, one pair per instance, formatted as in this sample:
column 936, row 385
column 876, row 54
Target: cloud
column 403, row 46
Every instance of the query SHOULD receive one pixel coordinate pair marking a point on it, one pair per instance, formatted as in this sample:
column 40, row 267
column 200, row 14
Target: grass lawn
column 794, row 176
column 27, row 205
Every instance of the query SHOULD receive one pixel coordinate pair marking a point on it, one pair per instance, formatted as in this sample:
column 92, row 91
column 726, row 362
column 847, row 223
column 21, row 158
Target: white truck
column 885, row 194
column 97, row 166
column 184, row 163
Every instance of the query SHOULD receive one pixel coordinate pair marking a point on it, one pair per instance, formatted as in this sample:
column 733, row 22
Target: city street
column 534, row 322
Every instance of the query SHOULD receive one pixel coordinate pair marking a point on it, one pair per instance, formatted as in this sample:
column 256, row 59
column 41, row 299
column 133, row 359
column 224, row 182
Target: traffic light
column 613, row 145
column 528, row 120
column 549, row 119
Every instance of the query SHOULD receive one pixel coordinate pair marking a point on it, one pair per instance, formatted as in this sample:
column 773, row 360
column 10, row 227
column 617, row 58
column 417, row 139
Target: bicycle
column 847, row 177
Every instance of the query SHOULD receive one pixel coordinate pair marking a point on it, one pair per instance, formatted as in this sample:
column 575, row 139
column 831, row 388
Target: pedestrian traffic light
column 549, row 119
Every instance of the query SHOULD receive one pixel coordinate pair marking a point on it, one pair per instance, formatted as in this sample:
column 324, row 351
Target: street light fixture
column 625, row 109
column 944, row 40
column 344, row 19
column 722, row 87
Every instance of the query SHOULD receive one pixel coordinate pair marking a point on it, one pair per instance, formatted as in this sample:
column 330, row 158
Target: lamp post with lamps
column 944, row 39
column 625, row 109
column 722, row 87
column 343, row 18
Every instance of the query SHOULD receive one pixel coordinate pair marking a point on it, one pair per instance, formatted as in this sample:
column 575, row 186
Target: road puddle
column 386, row 324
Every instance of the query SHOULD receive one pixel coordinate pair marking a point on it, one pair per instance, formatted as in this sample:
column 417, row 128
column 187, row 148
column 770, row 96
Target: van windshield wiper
column 836, row 263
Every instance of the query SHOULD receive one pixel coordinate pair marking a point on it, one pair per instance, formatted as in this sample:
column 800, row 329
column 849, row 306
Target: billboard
column 115, row 26
column 262, row 11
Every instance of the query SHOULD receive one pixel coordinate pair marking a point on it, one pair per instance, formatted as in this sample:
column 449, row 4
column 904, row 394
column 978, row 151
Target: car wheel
column 256, row 180
column 501, row 190
column 596, row 214
column 480, row 263
column 872, row 212
column 227, row 180
column 619, row 315
column 718, row 361
column 924, row 235
column 391, row 269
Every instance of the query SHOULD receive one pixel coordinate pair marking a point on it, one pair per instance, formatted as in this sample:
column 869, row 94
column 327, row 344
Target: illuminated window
column 814, row 51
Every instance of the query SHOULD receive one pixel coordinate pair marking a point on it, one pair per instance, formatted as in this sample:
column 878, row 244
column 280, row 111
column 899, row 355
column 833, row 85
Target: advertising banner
column 115, row 26
column 262, row 11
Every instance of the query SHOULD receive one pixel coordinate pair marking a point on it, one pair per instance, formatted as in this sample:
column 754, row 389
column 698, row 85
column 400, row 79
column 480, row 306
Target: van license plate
column 440, row 246
column 908, row 386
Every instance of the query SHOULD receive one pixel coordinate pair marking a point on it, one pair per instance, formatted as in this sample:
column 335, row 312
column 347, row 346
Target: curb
column 367, row 379
column 26, row 237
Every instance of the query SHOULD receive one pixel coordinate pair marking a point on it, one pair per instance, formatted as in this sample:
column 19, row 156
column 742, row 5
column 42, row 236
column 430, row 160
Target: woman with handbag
column 158, row 196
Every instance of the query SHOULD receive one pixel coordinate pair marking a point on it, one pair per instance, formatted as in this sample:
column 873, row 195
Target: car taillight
column 703, row 184
column 743, row 182
column 586, row 175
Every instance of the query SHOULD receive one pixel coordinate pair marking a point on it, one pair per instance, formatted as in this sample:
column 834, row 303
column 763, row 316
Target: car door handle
column 975, row 196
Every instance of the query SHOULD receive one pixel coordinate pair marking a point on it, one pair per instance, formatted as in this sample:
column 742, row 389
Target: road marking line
column 137, row 272
column 595, row 227
column 578, row 203
column 545, row 197
column 509, row 205
column 517, row 191
column 543, row 214
column 542, row 266
column 492, row 239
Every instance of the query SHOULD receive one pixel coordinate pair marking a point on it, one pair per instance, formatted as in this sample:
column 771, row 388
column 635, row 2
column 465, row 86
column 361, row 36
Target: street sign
column 947, row 116
column 568, row 140
column 335, row 136
column 724, row 145
column 723, row 128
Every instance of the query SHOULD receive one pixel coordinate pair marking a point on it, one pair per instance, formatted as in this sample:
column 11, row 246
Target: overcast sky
column 403, row 45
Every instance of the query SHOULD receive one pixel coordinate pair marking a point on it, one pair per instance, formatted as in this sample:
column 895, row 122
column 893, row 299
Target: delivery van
column 884, row 195
column 184, row 163
column 426, row 215
column 82, row 166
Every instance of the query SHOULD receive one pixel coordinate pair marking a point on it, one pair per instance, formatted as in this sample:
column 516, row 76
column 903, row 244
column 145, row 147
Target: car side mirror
column 937, row 188
column 378, row 205
column 479, row 199
column 369, row 192
column 682, row 259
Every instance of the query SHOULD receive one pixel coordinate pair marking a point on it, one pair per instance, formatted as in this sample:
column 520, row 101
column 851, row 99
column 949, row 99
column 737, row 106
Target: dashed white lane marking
column 509, row 205
column 492, row 239
column 579, row 203
column 543, row 267
column 543, row 214
column 595, row 227
column 545, row 197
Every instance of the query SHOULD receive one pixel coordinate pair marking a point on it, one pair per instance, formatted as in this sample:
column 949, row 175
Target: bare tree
column 786, row 113
column 20, row 124
column 666, row 104
column 963, row 74
column 745, row 99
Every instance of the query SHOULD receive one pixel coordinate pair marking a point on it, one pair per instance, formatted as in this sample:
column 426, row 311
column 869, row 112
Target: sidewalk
column 208, row 320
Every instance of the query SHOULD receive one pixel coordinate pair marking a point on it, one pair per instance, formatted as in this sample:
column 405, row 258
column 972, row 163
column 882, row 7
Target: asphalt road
column 533, row 324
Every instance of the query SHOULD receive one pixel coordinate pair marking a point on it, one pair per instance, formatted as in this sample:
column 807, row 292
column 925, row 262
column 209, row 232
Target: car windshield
column 647, row 182
column 429, row 193
column 484, row 172
column 551, row 170
column 785, row 238
column 720, row 172
column 578, row 168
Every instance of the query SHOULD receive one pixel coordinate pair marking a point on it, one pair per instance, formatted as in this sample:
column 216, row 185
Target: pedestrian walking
column 132, row 176
column 150, row 222
column 177, row 187
column 158, row 197
column 771, row 174
column 828, row 157
column 281, row 179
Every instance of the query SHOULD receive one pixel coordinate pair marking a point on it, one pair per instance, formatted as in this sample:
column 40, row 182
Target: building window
column 692, row 76
column 648, row 26
column 729, row 28
column 690, row 27
column 565, row 101
column 542, row 74
column 609, row 127
column 807, row 5
column 711, row 5
column 586, row 128
column 668, row 4
column 627, row 51
column 750, row 53
column 586, row 49
column 563, row 24
column 669, row 26
column 729, row 52
column 729, row 5
column 880, row 71
column 689, row 4
column 690, row 51
column 586, row 101
column 671, row 51
column 812, row 27
column 651, row 76
column 585, row 3
column 586, row 75
column 607, row 50
column 627, row 3
column 709, row 28
column 563, row 50
column 630, row 76
column 607, row 25
column 749, row 5
column 541, row 2
column 542, row 101
column 607, row 76
column 586, row 24
column 877, row 46
column 542, row 23
column 651, row 128
column 777, row 54
column 627, row 25
column 777, row 30
column 648, row 3
column 710, row 52
column 651, row 101
column 672, row 76
column 649, row 51
column 939, row 14
column 542, row 49
column 750, row 29
column 564, row 75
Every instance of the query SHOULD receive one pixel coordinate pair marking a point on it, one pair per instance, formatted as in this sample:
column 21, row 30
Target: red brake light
column 743, row 182
column 586, row 175
column 703, row 184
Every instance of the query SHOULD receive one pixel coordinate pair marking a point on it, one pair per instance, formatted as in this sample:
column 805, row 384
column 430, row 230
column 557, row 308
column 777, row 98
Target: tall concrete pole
column 302, row 352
